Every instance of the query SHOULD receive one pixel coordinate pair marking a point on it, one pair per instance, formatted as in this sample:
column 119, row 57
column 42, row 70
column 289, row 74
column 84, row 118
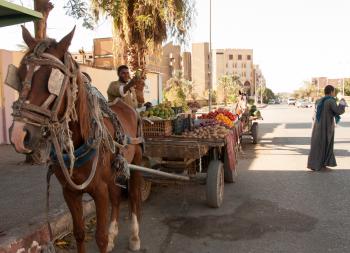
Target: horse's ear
column 27, row 37
column 65, row 42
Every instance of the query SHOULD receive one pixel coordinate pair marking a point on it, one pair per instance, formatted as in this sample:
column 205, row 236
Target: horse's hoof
column 110, row 247
column 134, row 244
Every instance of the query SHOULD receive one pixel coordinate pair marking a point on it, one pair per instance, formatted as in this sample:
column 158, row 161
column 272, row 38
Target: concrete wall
column 7, row 94
column 101, row 78
column 200, row 68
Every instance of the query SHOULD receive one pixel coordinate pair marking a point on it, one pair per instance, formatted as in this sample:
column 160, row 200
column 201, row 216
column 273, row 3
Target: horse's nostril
column 27, row 138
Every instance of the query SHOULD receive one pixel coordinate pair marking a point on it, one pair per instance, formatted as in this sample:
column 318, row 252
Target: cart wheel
column 255, row 132
column 215, row 184
column 146, row 185
column 230, row 175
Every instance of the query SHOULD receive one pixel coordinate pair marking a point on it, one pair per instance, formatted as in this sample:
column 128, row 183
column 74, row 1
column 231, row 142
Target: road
column 277, row 205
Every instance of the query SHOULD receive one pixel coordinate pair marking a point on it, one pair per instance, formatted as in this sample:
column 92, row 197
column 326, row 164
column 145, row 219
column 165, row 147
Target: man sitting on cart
column 124, row 88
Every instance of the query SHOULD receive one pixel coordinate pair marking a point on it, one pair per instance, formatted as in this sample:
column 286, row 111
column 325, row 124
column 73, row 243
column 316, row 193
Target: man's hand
column 130, row 84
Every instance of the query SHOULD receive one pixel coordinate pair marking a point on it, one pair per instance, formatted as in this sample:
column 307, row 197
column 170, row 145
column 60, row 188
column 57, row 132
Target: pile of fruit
column 214, row 114
column 221, row 118
column 161, row 111
column 208, row 132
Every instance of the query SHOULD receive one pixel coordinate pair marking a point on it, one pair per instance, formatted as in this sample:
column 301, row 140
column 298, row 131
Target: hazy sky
column 293, row 40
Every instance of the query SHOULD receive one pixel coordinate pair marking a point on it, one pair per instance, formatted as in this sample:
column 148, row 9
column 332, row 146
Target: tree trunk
column 43, row 6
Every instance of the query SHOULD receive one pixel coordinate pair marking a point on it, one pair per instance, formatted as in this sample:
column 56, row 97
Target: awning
column 12, row 14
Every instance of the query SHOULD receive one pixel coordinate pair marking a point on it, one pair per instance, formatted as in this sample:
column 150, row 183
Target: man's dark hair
column 328, row 89
column 121, row 67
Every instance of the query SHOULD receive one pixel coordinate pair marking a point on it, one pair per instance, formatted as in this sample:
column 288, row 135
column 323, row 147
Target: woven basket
column 158, row 128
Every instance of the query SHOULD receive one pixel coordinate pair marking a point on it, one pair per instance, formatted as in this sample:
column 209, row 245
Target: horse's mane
column 82, row 107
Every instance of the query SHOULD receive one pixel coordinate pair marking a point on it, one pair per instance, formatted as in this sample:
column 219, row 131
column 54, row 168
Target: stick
column 159, row 173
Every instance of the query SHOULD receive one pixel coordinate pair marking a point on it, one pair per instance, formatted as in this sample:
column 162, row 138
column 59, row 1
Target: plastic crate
column 157, row 128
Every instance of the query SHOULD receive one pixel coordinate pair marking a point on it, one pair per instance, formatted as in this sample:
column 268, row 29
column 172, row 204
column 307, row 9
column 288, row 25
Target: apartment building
column 200, row 68
column 234, row 62
column 186, row 65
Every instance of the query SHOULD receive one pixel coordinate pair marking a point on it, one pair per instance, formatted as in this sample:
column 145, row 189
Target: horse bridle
column 61, row 74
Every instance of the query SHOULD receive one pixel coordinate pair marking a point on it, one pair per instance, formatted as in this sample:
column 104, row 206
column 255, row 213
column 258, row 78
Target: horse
column 56, row 108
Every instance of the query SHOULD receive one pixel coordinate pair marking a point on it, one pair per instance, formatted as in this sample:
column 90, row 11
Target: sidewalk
column 23, row 195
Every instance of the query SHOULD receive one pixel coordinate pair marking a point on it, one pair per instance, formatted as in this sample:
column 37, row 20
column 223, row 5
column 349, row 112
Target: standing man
column 322, row 140
column 123, row 88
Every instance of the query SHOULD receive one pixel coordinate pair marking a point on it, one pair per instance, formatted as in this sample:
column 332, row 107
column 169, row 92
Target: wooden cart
column 250, row 127
column 192, row 158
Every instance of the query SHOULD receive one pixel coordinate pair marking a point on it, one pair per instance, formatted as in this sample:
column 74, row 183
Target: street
column 277, row 205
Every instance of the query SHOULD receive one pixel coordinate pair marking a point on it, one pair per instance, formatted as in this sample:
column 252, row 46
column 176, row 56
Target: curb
column 60, row 221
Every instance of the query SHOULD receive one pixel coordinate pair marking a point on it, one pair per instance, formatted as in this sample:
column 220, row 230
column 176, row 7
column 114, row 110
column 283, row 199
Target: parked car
column 291, row 101
column 272, row 102
column 304, row 104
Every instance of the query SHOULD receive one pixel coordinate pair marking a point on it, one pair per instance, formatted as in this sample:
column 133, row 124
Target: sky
column 293, row 40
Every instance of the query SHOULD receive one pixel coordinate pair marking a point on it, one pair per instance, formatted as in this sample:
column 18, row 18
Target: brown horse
column 38, row 111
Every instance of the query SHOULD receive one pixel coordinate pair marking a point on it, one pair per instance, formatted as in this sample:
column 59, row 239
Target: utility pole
column 210, row 60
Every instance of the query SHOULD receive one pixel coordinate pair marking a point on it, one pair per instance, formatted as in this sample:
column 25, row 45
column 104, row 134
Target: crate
column 157, row 128
column 182, row 123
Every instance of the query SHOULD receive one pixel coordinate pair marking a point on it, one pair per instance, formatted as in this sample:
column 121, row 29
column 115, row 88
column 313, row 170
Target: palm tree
column 141, row 26
column 230, row 85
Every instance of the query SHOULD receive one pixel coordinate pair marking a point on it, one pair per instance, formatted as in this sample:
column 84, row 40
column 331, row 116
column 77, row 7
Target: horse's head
column 41, row 80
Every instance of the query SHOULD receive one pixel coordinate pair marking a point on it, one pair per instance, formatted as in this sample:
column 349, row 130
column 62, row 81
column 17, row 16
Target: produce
column 224, row 119
column 214, row 114
column 162, row 111
column 208, row 132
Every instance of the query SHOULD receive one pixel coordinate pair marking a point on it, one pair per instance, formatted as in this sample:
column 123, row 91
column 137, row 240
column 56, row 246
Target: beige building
column 186, row 65
column 103, row 53
column 83, row 57
column 7, row 94
column 167, row 63
column 200, row 68
column 234, row 62
column 322, row 82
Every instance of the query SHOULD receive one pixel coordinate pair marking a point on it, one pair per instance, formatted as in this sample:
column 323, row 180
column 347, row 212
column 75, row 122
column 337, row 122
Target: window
column 249, row 57
column 230, row 57
column 239, row 57
column 226, row 65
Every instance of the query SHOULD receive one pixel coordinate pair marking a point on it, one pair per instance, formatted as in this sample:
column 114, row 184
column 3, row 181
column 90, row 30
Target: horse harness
column 63, row 74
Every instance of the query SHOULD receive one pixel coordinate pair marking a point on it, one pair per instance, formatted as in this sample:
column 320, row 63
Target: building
column 186, row 65
column 200, row 68
column 322, row 82
column 170, row 61
column 103, row 53
column 234, row 62
column 83, row 57
column 7, row 94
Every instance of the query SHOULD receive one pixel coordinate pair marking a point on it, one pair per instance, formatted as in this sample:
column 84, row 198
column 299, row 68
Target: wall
column 200, row 68
column 7, row 94
column 101, row 78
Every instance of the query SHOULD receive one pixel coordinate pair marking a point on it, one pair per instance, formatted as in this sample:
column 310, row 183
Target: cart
column 250, row 127
column 188, row 160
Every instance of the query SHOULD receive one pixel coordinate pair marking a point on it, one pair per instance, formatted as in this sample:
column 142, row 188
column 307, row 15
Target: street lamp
column 210, row 59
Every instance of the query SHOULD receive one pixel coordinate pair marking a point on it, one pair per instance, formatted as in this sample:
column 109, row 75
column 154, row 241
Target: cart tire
column 230, row 175
column 255, row 132
column 146, row 185
column 215, row 184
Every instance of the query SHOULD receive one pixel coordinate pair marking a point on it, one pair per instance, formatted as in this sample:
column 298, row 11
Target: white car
column 291, row 101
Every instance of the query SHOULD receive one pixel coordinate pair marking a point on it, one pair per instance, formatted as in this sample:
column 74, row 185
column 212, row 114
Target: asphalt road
column 277, row 205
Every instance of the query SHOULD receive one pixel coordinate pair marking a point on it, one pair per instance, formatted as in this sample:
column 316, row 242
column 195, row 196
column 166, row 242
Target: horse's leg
column 135, row 202
column 75, row 205
column 115, row 197
column 100, row 196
